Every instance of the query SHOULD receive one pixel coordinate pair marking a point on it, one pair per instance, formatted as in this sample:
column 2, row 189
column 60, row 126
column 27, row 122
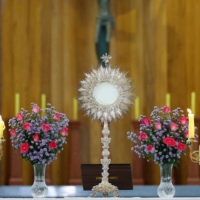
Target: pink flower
column 20, row 116
column 158, row 126
column 64, row 131
column 143, row 136
column 186, row 133
column 52, row 145
column 183, row 120
column 150, row 148
column 169, row 141
column 46, row 127
column 26, row 126
column 146, row 121
column 173, row 126
column 24, row 147
column 13, row 132
column 181, row 146
column 36, row 109
column 57, row 116
column 166, row 109
column 36, row 137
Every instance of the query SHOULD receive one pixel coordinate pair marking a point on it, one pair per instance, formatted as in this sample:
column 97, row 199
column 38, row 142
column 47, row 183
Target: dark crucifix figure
column 105, row 23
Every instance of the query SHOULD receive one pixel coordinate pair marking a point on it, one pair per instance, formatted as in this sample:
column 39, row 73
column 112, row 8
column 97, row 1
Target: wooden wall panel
column 149, row 54
column 195, row 54
column 35, row 49
column 121, row 56
column 69, row 76
column 161, row 78
column 137, row 61
column 45, row 54
column 69, row 57
column 85, row 60
column 153, row 42
column 48, row 45
column 7, row 84
column 32, row 65
column 21, row 61
column 45, row 69
column 177, row 62
column 57, row 74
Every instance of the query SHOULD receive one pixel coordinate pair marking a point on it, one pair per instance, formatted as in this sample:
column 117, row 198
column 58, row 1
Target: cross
column 105, row 23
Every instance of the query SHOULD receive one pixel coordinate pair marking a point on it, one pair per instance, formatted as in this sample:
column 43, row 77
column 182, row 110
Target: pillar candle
column 2, row 127
column 17, row 103
column 191, row 123
column 136, row 107
column 193, row 102
column 168, row 99
column 75, row 109
column 43, row 101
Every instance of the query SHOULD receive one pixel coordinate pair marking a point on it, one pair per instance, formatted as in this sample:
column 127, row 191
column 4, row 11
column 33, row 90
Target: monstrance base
column 105, row 188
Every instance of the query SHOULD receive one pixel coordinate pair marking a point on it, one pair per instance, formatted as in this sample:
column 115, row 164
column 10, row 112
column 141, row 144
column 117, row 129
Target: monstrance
column 105, row 94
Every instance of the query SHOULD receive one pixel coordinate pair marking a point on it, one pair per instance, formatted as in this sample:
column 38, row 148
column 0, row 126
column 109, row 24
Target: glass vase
column 39, row 188
column 166, row 188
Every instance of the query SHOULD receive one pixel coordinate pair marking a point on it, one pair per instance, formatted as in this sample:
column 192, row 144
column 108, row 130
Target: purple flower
column 45, row 127
column 164, row 123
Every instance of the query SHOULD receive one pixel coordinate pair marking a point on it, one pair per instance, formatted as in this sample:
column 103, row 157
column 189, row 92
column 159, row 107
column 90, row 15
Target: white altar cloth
column 67, row 192
column 108, row 198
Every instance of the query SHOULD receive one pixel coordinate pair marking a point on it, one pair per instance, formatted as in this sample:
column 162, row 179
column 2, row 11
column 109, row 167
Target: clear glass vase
column 166, row 188
column 39, row 188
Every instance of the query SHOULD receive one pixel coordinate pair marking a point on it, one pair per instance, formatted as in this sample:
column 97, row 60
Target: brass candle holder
column 2, row 128
column 194, row 154
column 1, row 146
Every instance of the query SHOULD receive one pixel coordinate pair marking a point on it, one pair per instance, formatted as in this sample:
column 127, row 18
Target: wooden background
column 48, row 45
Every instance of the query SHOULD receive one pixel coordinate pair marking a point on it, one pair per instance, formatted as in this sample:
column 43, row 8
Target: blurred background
column 48, row 45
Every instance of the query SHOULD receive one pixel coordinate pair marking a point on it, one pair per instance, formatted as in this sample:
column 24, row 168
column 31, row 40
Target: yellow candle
column 193, row 102
column 136, row 107
column 2, row 127
column 43, row 101
column 75, row 109
column 168, row 100
column 191, row 123
column 17, row 103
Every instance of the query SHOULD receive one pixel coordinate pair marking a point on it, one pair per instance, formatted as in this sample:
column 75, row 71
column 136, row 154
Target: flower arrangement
column 39, row 135
column 163, row 137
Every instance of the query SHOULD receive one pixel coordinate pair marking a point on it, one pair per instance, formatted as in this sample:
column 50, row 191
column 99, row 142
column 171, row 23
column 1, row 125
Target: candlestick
column 168, row 99
column 2, row 127
column 191, row 124
column 17, row 103
column 193, row 102
column 136, row 107
column 75, row 109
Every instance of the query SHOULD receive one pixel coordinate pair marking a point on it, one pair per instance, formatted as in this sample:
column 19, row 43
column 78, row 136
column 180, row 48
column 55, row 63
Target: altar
column 149, row 192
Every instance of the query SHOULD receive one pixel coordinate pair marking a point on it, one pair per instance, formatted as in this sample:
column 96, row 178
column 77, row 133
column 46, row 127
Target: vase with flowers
column 39, row 135
column 162, row 139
